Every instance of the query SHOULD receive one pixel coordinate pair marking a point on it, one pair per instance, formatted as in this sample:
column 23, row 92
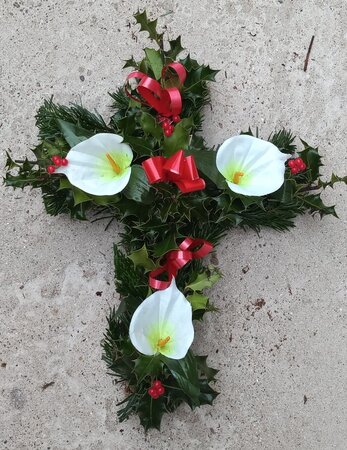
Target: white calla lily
column 251, row 166
column 99, row 165
column 163, row 324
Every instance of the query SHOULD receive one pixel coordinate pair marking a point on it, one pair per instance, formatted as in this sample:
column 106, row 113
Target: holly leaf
column 126, row 126
column 105, row 200
column 197, row 78
column 249, row 132
column 140, row 146
column 151, row 411
column 197, row 300
column 246, row 200
column 185, row 372
column 206, row 163
column 286, row 192
column 179, row 138
column 151, row 126
column 80, row 196
column 147, row 366
column 73, row 134
column 315, row 205
column 138, row 188
column 22, row 180
column 312, row 159
column 189, row 63
column 175, row 48
column 150, row 26
column 205, row 279
column 169, row 243
column 131, row 63
column 209, row 372
column 155, row 61
column 140, row 258
column 207, row 394
column 10, row 163
column 334, row 179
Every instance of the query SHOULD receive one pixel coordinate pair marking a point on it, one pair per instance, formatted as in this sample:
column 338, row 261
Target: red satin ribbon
column 176, row 259
column 178, row 169
column 166, row 101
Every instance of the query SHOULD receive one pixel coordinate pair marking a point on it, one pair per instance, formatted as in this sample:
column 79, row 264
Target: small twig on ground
column 308, row 54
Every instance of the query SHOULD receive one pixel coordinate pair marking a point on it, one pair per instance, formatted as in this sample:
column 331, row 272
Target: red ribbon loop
column 177, row 169
column 166, row 101
column 176, row 259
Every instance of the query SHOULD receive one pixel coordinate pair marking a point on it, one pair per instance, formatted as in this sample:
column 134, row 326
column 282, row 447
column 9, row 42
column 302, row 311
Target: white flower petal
column 260, row 162
column 165, row 313
column 89, row 169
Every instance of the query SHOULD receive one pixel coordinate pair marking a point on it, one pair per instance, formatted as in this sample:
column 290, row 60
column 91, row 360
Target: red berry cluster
column 296, row 165
column 57, row 161
column 167, row 126
column 156, row 390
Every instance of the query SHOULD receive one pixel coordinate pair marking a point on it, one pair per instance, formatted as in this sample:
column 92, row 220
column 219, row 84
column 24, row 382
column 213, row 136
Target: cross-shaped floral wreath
column 149, row 169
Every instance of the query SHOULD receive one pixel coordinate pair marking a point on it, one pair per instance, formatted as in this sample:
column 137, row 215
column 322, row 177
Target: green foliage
column 315, row 205
column 140, row 258
column 146, row 366
column 175, row 48
column 334, row 179
column 150, row 26
column 312, row 159
column 198, row 301
column 50, row 113
column 155, row 62
column 205, row 280
column 179, row 138
column 72, row 133
column 138, row 188
column 283, row 140
column 151, row 126
column 185, row 373
column 209, row 372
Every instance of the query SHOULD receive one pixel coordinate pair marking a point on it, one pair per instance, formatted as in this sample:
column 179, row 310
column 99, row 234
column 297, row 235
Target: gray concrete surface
column 283, row 366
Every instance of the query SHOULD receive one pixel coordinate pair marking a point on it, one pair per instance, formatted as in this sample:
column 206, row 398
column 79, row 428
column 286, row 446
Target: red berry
column 176, row 119
column 160, row 391
column 156, row 384
column 64, row 162
column 152, row 392
column 294, row 170
column 56, row 160
column 299, row 161
column 50, row 169
column 291, row 163
column 168, row 132
column 166, row 125
column 155, row 396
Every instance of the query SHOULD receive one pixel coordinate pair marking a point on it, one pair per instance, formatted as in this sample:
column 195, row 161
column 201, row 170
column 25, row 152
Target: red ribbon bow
column 167, row 101
column 178, row 169
column 176, row 259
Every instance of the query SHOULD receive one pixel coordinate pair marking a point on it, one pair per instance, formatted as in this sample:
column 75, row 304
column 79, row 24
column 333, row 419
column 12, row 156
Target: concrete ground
column 283, row 365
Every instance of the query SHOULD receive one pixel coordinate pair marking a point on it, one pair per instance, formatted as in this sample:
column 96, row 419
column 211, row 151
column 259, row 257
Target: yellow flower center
column 113, row 163
column 163, row 342
column 237, row 177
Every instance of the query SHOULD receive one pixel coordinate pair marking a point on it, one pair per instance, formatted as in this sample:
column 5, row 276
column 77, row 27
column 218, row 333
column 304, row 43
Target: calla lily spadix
column 251, row 166
column 99, row 165
column 163, row 324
